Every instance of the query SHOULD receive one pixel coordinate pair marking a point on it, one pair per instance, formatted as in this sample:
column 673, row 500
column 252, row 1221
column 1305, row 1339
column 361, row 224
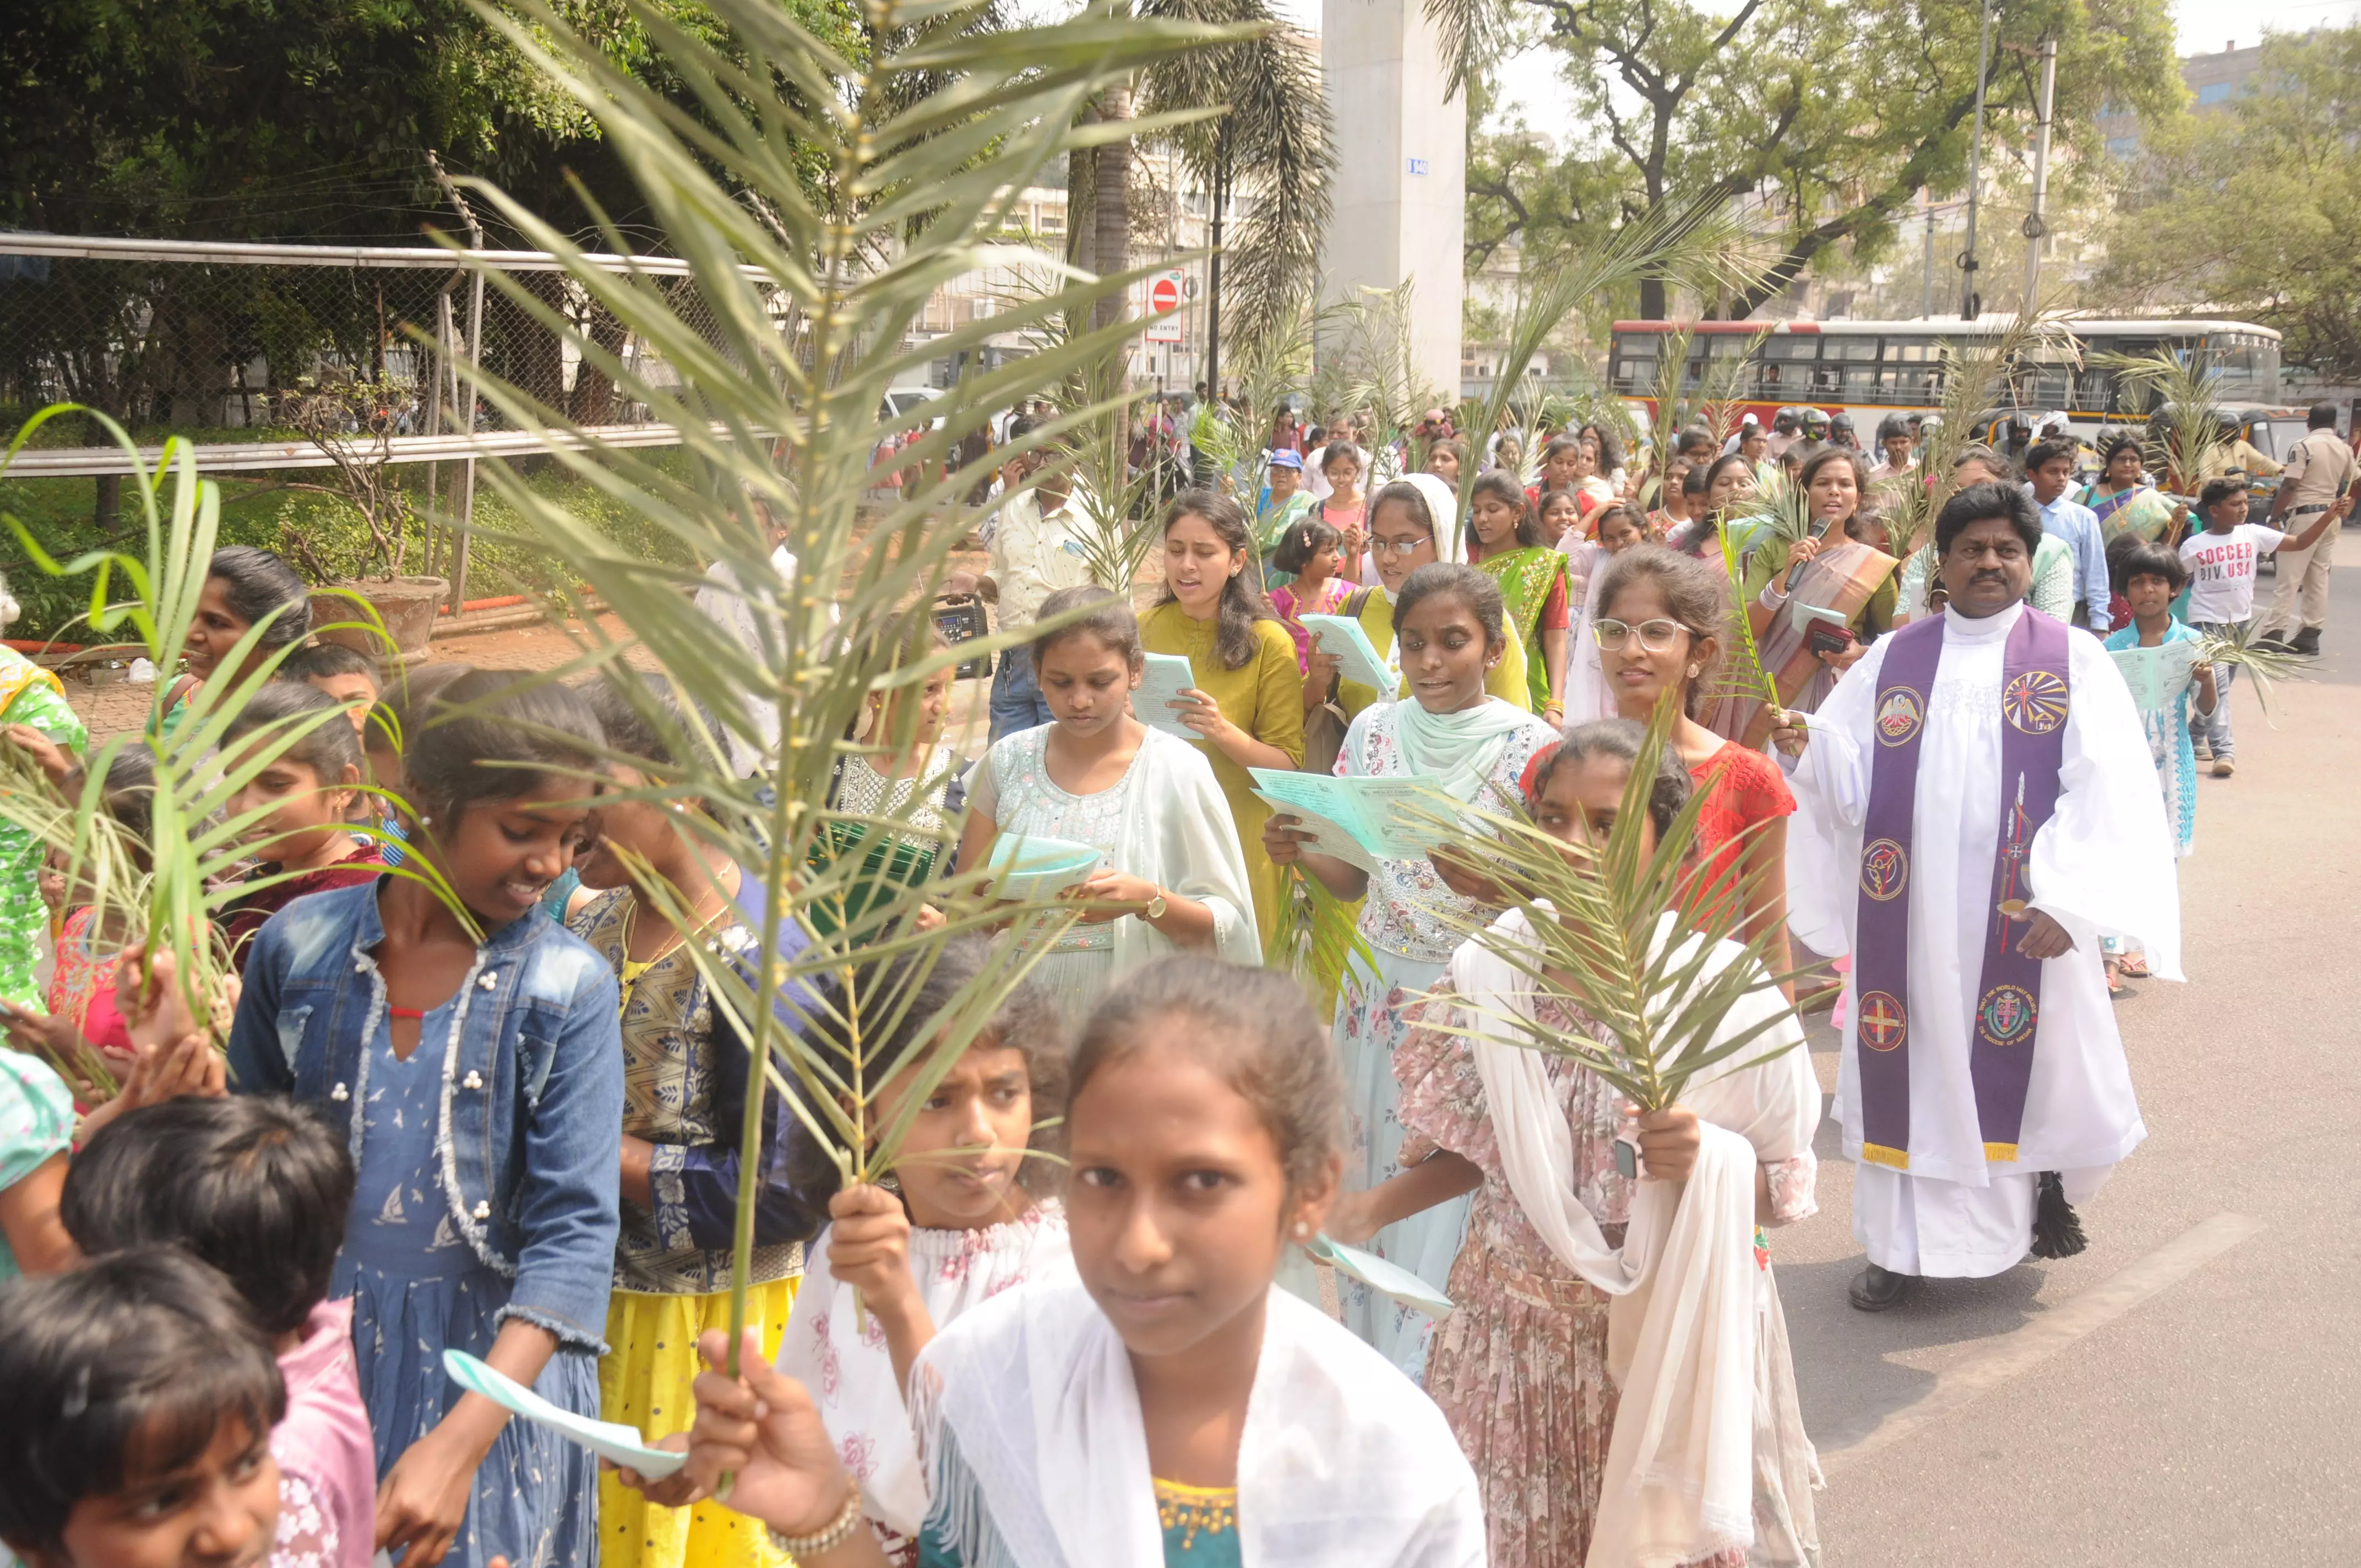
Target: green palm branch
column 2186, row 446
column 1631, row 937
column 1701, row 249
column 1317, row 936
column 1975, row 379
column 196, row 844
column 2237, row 647
column 776, row 355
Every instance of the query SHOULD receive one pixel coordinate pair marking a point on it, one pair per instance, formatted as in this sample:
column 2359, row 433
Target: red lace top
column 1741, row 787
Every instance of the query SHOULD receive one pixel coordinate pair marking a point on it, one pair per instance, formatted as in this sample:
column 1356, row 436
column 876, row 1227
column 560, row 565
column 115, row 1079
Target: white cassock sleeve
column 1831, row 785
column 2102, row 864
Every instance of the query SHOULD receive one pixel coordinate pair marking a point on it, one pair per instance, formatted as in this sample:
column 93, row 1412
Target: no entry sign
column 1164, row 295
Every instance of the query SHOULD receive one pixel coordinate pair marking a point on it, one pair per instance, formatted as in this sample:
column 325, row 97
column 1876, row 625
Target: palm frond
column 769, row 364
column 1317, row 937
column 1975, row 377
column 2186, row 439
column 1699, row 247
column 195, row 843
column 1629, row 933
column 2237, row 646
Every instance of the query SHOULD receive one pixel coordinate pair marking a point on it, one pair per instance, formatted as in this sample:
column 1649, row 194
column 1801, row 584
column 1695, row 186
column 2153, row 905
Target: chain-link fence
column 204, row 341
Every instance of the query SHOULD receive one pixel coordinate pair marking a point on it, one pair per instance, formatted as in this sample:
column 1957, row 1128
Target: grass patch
column 256, row 508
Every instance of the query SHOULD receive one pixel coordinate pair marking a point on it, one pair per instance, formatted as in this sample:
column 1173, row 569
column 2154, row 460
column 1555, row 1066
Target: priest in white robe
column 1972, row 870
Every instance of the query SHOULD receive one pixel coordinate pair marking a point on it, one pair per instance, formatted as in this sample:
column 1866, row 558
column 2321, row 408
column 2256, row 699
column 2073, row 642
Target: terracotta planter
column 406, row 605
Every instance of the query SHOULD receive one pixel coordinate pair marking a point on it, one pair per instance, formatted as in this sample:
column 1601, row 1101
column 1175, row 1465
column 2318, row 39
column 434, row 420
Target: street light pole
column 2035, row 229
column 1970, row 301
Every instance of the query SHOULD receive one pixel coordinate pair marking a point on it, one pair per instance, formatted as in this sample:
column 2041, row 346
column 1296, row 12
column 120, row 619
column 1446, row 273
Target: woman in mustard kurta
column 1247, row 703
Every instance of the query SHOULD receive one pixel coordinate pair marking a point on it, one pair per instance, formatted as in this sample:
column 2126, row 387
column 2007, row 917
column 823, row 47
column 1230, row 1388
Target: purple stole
column 2008, row 992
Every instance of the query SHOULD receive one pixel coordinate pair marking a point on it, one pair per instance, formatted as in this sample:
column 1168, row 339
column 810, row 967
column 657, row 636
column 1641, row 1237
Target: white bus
column 1873, row 369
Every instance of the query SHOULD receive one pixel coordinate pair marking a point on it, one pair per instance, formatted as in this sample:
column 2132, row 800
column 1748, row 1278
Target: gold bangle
column 838, row 1531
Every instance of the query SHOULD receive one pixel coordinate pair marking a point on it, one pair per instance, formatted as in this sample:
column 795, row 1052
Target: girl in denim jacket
column 481, row 1084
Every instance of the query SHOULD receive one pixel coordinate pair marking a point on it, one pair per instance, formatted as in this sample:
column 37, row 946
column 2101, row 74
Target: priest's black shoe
column 2307, row 641
column 1874, row 1289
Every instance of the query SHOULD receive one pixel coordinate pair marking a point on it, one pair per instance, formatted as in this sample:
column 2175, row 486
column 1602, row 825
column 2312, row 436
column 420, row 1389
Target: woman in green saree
column 1505, row 539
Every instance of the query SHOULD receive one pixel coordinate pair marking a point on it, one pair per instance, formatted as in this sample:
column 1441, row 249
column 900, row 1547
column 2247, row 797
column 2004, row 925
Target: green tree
column 2255, row 209
column 1830, row 117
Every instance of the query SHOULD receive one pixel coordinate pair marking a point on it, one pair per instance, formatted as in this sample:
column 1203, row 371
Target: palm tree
column 1267, row 135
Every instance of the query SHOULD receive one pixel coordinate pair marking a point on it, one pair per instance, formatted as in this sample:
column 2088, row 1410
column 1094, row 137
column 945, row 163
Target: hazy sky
column 2205, row 25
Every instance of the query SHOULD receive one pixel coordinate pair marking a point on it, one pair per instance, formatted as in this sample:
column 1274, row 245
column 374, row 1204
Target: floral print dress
column 1520, row 1367
column 1409, row 920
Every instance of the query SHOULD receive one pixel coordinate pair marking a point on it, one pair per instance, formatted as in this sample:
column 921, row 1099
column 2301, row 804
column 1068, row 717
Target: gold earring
column 1693, row 670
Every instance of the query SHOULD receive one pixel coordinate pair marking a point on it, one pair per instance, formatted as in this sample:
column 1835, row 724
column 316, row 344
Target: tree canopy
column 2253, row 209
column 302, row 119
column 1830, row 117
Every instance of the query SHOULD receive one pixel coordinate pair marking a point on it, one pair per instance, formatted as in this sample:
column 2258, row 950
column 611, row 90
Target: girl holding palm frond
column 969, row 1212
column 1521, row 1367
column 1451, row 629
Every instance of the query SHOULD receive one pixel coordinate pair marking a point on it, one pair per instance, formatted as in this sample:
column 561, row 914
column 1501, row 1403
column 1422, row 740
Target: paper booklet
column 1343, row 636
column 1162, row 678
column 608, row 1439
column 1360, row 821
column 2157, row 675
column 1389, row 1280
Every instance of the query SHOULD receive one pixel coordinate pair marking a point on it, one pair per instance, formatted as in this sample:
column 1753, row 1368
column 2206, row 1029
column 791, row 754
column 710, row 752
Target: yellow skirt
column 644, row 1382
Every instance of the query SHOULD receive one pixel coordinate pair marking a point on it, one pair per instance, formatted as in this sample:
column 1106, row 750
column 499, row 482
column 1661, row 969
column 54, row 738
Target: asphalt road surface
column 2185, row 1390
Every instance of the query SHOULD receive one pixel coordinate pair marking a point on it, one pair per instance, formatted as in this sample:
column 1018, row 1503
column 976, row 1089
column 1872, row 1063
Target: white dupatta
column 1029, row 1428
column 1681, row 1329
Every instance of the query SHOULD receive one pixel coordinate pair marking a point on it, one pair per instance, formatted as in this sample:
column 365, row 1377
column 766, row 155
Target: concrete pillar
column 1402, row 176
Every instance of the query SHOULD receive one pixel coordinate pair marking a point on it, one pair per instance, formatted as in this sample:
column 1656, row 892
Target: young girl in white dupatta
column 1450, row 628
column 1525, row 1367
column 1171, row 873
column 1173, row 1407
column 968, row 1215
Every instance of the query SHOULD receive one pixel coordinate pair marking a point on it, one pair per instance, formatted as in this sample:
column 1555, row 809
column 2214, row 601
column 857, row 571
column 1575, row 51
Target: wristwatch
column 1156, row 908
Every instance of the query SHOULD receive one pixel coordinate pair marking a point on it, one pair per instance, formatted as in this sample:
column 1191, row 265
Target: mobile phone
column 1627, row 1160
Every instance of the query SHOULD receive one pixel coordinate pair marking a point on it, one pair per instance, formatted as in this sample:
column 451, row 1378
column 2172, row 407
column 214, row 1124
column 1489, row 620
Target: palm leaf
column 2186, row 446
column 195, row 844
column 769, row 364
column 1702, row 249
column 1629, row 937
column 2237, row 647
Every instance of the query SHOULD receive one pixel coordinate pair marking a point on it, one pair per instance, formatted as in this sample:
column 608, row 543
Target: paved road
column 2189, row 1390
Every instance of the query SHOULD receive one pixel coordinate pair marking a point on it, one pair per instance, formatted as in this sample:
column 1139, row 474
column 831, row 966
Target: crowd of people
column 1097, row 1315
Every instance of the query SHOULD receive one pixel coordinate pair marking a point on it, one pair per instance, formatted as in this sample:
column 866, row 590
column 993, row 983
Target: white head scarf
column 1450, row 539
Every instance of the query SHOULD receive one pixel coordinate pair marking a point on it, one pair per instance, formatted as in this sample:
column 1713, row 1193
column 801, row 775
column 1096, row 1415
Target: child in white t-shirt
column 2221, row 563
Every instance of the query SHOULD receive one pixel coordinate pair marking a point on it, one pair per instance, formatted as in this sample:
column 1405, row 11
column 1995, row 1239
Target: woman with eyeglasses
column 1403, row 536
column 1658, row 629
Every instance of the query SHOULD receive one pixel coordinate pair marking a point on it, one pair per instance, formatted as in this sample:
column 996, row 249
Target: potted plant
column 352, row 419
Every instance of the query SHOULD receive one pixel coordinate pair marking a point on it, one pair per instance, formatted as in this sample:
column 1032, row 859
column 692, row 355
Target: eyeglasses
column 1399, row 546
column 1655, row 636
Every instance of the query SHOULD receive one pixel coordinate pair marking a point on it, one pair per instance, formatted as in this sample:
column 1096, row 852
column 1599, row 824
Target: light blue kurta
column 2168, row 742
